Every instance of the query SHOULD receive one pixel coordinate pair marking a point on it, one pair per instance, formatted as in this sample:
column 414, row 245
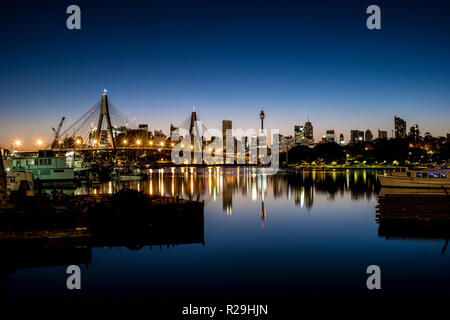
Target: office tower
column 414, row 132
column 341, row 139
column 400, row 128
column 143, row 127
column 159, row 135
column 172, row 134
column 368, row 136
column 298, row 135
column 382, row 134
column 281, row 141
column 226, row 125
column 308, row 134
column 329, row 137
column 356, row 136
column 289, row 142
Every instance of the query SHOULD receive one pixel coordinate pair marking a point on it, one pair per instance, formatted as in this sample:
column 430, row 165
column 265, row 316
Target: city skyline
column 159, row 60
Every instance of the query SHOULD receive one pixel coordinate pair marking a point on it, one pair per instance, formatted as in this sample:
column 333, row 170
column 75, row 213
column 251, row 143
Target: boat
column 19, row 180
column 48, row 168
column 126, row 174
column 404, row 177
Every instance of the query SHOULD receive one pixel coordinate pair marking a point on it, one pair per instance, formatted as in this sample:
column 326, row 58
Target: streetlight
column 125, row 142
column 138, row 142
column 150, row 143
column 18, row 143
column 39, row 142
column 162, row 143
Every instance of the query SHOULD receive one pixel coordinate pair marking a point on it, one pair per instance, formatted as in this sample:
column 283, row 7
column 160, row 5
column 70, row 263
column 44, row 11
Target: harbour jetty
column 414, row 214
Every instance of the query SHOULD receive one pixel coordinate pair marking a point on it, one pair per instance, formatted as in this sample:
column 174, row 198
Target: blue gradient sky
column 158, row 59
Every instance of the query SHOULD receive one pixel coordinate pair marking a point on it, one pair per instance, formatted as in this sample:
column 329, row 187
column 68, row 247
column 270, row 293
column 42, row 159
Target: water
column 285, row 237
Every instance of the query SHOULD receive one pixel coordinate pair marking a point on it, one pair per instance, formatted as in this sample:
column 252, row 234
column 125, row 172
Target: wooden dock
column 413, row 216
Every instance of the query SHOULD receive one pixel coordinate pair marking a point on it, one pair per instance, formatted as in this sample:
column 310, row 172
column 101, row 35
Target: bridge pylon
column 104, row 112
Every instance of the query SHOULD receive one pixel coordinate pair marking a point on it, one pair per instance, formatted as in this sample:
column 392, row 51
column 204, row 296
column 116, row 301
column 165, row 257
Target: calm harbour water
column 304, row 235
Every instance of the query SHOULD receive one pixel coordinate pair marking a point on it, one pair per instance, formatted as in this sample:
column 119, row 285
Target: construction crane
column 57, row 131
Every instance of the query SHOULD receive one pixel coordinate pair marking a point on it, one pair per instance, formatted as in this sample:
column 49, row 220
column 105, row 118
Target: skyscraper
column 308, row 130
column 356, row 136
column 382, row 134
column 400, row 128
column 298, row 135
column 414, row 132
column 329, row 136
column 341, row 139
column 368, row 136
column 286, row 143
column 226, row 124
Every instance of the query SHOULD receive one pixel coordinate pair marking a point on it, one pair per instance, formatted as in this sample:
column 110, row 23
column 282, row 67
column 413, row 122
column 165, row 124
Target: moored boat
column 404, row 177
column 49, row 169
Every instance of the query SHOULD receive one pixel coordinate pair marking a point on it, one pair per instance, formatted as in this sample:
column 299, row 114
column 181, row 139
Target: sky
column 158, row 59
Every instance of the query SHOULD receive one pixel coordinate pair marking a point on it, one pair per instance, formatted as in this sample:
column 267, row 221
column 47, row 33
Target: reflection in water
column 296, row 250
column 256, row 184
column 38, row 238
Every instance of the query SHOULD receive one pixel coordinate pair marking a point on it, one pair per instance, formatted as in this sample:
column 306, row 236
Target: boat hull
column 411, row 182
